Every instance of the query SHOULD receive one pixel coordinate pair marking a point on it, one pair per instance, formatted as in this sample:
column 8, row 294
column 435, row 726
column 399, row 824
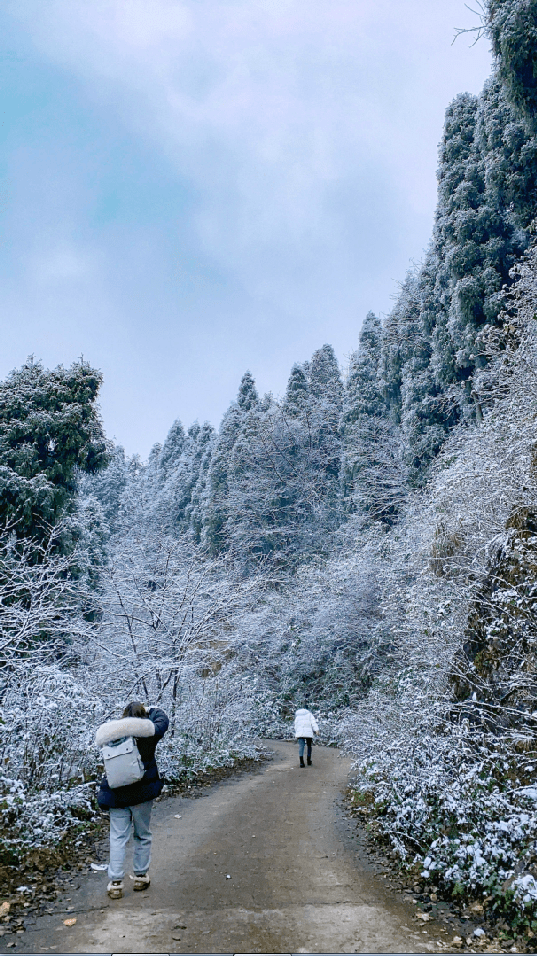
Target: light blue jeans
column 121, row 820
column 302, row 741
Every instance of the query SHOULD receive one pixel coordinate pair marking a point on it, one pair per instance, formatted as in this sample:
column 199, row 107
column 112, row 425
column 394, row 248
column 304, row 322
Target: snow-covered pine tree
column 215, row 510
column 297, row 392
column 373, row 473
column 324, row 415
column 50, row 431
column 171, row 451
column 487, row 178
column 512, row 26
column 195, row 485
column 362, row 398
column 108, row 485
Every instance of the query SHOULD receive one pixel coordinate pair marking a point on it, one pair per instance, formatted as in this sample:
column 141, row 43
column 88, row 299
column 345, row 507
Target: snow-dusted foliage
column 47, row 729
column 38, row 600
column 47, row 726
column 324, row 635
column 47, row 714
column 156, row 623
column 49, row 429
column 445, row 740
column 166, row 635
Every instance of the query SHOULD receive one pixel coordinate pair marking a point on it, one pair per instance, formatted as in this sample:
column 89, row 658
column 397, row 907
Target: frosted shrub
column 42, row 818
column 48, row 721
column 46, row 757
column 212, row 727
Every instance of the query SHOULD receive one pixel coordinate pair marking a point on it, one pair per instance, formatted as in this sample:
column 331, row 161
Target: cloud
column 271, row 109
column 61, row 265
column 203, row 186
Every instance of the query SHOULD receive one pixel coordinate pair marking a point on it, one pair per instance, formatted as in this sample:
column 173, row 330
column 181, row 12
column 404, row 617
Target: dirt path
column 263, row 863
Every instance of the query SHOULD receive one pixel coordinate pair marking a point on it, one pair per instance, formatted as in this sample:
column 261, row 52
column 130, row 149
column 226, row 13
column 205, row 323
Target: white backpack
column 122, row 762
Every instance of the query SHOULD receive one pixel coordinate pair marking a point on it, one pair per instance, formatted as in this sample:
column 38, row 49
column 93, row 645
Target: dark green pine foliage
column 373, row 475
column 297, row 393
column 170, row 452
column 509, row 165
column 457, row 235
column 216, row 504
column 486, row 203
column 431, row 353
column 50, row 431
column 108, row 485
column 196, row 475
column 478, row 237
column 418, row 355
column 512, row 26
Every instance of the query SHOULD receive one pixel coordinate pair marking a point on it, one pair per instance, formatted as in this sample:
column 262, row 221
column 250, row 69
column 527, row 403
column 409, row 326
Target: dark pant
column 302, row 741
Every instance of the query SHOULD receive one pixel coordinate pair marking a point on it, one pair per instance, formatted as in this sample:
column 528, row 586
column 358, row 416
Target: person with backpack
column 305, row 727
column 128, row 747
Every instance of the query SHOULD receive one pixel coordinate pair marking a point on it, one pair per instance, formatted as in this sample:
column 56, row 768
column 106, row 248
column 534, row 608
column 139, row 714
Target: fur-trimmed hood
column 126, row 727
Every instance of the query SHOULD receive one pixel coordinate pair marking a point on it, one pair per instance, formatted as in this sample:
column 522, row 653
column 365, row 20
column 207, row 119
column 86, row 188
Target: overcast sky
column 191, row 188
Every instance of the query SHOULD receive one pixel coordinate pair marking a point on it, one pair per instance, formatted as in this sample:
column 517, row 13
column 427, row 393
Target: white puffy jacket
column 305, row 723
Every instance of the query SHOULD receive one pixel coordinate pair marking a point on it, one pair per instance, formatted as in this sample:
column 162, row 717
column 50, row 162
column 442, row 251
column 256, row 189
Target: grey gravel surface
column 262, row 863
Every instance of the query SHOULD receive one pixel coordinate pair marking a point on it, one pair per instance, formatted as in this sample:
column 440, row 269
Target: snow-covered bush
column 47, row 724
column 459, row 825
column 48, row 721
column 40, row 818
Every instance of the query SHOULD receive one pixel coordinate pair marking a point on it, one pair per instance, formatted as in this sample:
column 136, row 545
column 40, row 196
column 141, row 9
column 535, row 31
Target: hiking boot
column 309, row 761
column 141, row 881
column 115, row 889
column 302, row 764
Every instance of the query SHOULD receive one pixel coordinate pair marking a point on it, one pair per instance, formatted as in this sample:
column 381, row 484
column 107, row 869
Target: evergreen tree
column 247, row 397
column 362, row 398
column 50, row 431
column 108, row 485
column 431, row 351
column 176, row 497
column 477, row 238
column 171, row 450
column 297, row 393
column 325, row 378
column 215, row 511
column 373, row 474
column 283, row 483
column 363, row 395
column 91, row 532
column 513, row 29
column 324, row 414
column 199, row 475
column 509, row 165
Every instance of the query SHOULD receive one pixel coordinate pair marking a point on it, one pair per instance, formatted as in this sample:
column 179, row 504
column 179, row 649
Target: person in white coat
column 305, row 727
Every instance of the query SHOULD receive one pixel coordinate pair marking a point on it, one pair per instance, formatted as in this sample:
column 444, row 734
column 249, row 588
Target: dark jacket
column 150, row 785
